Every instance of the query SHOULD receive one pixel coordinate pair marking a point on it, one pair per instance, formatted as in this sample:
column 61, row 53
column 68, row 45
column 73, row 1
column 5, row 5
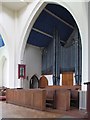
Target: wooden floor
column 14, row 111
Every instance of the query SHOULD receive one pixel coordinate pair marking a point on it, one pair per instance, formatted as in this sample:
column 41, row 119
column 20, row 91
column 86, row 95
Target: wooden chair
column 43, row 82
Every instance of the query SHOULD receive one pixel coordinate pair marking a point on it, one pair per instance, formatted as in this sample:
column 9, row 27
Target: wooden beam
column 39, row 31
column 52, row 14
column 70, row 39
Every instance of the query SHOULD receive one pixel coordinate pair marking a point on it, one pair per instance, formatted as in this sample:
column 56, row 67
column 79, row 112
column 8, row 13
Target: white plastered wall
column 4, row 54
column 4, row 67
column 32, row 59
column 7, row 31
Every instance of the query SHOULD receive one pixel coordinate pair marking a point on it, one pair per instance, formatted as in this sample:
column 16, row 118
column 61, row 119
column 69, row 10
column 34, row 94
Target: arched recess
column 4, row 71
column 4, row 61
column 35, row 13
column 34, row 81
column 30, row 22
column 4, row 81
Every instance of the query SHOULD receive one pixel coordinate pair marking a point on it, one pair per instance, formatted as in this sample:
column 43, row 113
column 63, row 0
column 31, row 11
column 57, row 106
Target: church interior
column 43, row 71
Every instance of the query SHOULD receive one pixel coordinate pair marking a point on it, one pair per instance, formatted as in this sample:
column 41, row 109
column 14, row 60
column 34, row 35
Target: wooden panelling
column 40, row 103
column 67, row 78
column 9, row 96
column 29, row 100
column 33, row 98
column 62, row 99
column 36, row 98
column 43, row 82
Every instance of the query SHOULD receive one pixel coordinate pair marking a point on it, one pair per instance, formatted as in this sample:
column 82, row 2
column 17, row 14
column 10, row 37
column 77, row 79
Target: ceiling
column 53, row 16
column 15, row 6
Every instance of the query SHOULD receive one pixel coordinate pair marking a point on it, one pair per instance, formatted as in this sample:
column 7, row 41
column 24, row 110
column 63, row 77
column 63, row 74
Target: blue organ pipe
column 54, row 57
column 76, row 58
column 57, row 60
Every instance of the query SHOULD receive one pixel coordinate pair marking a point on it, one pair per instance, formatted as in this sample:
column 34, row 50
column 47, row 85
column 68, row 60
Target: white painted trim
column 44, row 33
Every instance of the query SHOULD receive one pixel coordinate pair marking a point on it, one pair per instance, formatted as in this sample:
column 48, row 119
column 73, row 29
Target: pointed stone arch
column 39, row 6
column 4, row 81
column 4, row 61
column 34, row 81
column 35, row 13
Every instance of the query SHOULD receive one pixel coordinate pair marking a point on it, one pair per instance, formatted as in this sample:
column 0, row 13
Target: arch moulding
column 32, row 18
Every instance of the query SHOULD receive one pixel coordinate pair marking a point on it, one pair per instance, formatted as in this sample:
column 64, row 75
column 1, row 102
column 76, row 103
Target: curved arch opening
column 42, row 34
column 3, row 72
column 34, row 81
column 34, row 56
column 3, row 59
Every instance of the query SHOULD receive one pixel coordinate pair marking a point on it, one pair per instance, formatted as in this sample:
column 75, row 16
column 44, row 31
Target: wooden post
column 88, row 99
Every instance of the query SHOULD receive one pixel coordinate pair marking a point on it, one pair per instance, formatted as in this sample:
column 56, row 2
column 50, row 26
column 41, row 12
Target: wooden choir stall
column 32, row 98
column 55, row 96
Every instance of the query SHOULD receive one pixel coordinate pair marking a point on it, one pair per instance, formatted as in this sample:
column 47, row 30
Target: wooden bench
column 50, row 97
column 53, row 94
column 32, row 98
column 58, row 97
